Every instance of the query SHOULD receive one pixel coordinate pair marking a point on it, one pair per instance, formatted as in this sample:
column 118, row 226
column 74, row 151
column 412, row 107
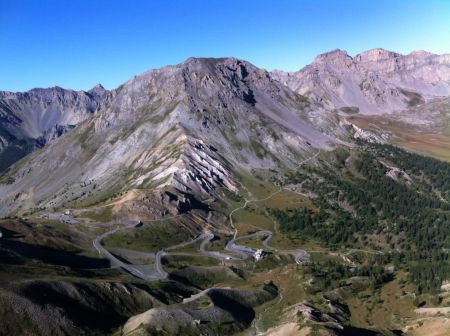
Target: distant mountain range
column 29, row 120
column 375, row 81
column 199, row 125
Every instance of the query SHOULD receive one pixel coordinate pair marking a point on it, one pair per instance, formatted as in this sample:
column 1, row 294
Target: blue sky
column 79, row 43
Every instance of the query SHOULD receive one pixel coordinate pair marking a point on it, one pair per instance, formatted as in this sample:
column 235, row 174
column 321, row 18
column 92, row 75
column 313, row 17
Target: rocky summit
column 376, row 81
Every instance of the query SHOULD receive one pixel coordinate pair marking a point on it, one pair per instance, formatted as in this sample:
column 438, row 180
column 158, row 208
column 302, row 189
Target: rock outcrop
column 376, row 81
column 30, row 119
column 192, row 126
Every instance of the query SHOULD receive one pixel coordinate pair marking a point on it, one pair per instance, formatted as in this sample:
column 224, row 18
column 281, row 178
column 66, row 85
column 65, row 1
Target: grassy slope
column 429, row 142
column 372, row 307
column 150, row 237
column 388, row 306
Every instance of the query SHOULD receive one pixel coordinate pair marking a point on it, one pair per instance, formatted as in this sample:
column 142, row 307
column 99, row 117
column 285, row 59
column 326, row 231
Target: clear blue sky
column 79, row 43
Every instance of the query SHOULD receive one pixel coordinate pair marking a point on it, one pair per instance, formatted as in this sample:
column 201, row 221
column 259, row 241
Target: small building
column 259, row 254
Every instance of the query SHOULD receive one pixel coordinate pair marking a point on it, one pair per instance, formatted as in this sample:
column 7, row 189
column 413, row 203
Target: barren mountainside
column 191, row 126
column 195, row 125
column 376, row 81
column 29, row 120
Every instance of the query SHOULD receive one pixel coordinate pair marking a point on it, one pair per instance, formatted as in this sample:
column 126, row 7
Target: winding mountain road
column 157, row 272
column 245, row 251
column 132, row 269
column 140, row 271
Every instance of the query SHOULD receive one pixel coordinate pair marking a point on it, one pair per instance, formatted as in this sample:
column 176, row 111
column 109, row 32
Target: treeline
column 437, row 172
column 330, row 273
column 293, row 220
column 428, row 276
column 362, row 200
column 332, row 229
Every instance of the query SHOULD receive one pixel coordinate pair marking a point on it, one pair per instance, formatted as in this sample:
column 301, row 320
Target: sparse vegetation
column 361, row 199
column 414, row 98
column 150, row 237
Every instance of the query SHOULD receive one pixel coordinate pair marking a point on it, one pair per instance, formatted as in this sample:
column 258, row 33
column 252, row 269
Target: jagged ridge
column 375, row 81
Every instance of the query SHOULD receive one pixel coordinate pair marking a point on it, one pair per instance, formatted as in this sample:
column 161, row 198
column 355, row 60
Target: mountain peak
column 210, row 61
column 376, row 55
column 193, row 60
column 372, row 80
column 97, row 89
column 420, row 53
column 220, row 66
column 333, row 55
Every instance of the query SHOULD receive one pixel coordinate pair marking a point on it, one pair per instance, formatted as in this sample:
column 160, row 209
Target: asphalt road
column 139, row 271
column 243, row 252
column 207, row 237
column 132, row 269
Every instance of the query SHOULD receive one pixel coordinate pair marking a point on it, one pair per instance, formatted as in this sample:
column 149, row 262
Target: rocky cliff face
column 29, row 120
column 190, row 126
column 376, row 81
